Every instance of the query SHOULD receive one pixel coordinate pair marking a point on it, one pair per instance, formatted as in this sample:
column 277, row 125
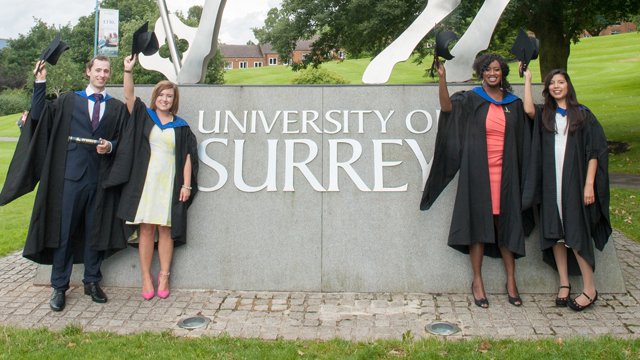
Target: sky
column 17, row 17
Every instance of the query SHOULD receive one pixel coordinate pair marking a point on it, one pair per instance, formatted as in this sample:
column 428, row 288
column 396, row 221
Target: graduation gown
column 582, row 227
column 134, row 153
column 461, row 147
column 40, row 156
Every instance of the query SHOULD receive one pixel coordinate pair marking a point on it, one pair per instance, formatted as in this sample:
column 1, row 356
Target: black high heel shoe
column 483, row 302
column 563, row 301
column 577, row 307
column 513, row 300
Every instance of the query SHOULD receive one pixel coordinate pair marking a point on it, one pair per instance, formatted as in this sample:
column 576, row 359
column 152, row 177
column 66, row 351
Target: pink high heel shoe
column 163, row 294
column 148, row 295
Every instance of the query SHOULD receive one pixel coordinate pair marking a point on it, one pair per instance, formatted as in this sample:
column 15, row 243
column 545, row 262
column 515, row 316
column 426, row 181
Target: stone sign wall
column 317, row 188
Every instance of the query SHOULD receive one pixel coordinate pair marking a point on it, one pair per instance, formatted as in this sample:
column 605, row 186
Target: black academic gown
column 40, row 156
column 582, row 226
column 132, row 161
column 461, row 146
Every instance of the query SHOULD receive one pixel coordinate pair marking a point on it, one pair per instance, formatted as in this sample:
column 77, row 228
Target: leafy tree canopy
column 366, row 27
column 18, row 58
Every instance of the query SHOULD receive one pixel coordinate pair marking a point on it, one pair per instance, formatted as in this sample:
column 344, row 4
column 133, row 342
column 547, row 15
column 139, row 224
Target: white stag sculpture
column 203, row 41
column 474, row 40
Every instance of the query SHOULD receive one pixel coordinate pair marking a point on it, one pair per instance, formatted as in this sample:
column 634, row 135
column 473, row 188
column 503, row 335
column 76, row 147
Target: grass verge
column 625, row 212
column 73, row 343
column 8, row 127
column 15, row 215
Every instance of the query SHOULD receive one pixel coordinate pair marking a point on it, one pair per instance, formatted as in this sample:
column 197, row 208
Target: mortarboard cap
column 525, row 48
column 54, row 50
column 144, row 41
column 443, row 38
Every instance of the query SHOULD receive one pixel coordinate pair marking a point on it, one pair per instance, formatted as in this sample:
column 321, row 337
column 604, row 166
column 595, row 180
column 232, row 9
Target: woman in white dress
column 574, row 184
column 162, row 153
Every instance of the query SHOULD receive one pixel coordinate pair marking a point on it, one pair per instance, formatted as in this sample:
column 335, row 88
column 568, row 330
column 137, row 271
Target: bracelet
column 128, row 71
column 187, row 187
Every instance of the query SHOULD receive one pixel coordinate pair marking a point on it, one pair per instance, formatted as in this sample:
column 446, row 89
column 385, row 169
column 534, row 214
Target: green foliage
column 318, row 76
column 361, row 26
column 18, row 59
column 14, row 101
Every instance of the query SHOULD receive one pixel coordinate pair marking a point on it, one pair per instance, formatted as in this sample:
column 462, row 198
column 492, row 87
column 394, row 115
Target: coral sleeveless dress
column 495, row 124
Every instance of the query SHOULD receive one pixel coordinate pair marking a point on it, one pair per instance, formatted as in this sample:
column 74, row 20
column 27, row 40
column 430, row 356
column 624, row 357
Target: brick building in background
column 252, row 56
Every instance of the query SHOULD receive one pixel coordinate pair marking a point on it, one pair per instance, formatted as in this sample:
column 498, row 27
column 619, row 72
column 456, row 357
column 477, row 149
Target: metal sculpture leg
column 380, row 68
column 474, row 40
column 203, row 42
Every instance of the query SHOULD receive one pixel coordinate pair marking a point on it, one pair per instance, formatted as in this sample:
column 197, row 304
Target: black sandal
column 563, row 301
column 513, row 300
column 577, row 307
column 483, row 302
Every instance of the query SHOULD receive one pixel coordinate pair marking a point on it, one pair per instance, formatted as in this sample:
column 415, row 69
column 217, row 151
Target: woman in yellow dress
column 163, row 150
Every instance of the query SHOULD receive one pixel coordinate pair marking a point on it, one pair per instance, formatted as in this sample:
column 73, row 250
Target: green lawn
column 73, row 343
column 625, row 212
column 15, row 215
column 8, row 127
column 352, row 70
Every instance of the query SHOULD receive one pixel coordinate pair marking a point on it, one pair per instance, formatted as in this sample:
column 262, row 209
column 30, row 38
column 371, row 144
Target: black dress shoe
column 563, row 301
column 57, row 301
column 482, row 302
column 513, row 300
column 96, row 293
column 573, row 304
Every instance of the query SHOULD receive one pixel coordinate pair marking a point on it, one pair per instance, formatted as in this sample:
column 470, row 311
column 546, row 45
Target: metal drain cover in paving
column 194, row 322
column 442, row 328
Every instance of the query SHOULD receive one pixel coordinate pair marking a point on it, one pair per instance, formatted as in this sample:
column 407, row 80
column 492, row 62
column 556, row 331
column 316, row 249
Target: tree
column 368, row 26
column 19, row 58
column 559, row 23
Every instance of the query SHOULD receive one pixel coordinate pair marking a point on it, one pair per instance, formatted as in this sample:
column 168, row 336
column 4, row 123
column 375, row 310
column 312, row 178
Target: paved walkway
column 304, row 315
column 629, row 181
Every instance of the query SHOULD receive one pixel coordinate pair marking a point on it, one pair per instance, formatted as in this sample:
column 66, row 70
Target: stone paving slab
column 322, row 316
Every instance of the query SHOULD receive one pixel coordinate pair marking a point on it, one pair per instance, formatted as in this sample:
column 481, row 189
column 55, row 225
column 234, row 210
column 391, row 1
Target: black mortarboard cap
column 443, row 38
column 54, row 50
column 144, row 41
column 525, row 48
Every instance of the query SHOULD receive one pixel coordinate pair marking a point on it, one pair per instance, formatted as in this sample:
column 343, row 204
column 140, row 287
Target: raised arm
column 129, row 96
column 443, row 90
column 529, row 107
column 39, row 90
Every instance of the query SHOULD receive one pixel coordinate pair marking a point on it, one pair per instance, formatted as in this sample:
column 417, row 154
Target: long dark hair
column 481, row 64
column 575, row 119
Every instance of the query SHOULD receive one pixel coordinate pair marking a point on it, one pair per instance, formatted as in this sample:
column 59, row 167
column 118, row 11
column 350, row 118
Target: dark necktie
column 95, row 117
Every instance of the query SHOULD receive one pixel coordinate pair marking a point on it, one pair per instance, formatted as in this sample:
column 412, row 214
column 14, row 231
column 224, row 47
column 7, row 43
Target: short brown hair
column 164, row 85
column 89, row 64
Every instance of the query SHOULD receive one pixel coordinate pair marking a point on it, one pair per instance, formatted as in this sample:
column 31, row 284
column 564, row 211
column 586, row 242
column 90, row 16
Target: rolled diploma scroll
column 80, row 140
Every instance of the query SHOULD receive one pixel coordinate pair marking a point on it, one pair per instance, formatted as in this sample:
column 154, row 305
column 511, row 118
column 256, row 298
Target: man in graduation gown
column 73, row 218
